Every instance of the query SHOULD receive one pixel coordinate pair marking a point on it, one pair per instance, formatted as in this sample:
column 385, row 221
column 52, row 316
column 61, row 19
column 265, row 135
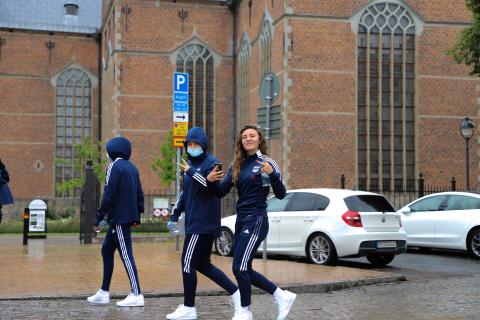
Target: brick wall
column 313, row 54
column 139, row 105
column 27, row 105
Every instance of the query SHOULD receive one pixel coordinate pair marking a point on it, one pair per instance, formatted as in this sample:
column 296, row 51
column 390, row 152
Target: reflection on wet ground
column 61, row 266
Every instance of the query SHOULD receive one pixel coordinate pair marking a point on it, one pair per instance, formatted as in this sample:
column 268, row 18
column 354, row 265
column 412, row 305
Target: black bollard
column 26, row 220
column 90, row 203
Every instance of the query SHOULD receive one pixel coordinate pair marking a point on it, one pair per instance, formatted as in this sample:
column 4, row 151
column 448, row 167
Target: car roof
column 331, row 192
column 457, row 193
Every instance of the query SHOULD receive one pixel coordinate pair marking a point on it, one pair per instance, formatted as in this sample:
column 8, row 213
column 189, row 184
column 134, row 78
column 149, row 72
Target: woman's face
column 250, row 141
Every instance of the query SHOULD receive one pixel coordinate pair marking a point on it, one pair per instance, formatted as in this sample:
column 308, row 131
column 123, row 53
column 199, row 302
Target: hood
column 119, row 147
column 198, row 135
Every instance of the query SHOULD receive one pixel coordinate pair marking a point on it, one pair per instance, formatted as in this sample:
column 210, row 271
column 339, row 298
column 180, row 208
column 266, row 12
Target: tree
column 164, row 165
column 87, row 150
column 467, row 48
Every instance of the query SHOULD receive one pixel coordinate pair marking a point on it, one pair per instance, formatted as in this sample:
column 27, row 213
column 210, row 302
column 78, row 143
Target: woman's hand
column 266, row 167
column 184, row 165
column 215, row 175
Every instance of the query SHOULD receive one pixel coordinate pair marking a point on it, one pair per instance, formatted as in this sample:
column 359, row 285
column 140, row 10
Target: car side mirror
column 406, row 210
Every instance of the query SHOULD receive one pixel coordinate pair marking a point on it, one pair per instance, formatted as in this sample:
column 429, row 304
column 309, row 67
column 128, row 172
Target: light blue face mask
column 194, row 152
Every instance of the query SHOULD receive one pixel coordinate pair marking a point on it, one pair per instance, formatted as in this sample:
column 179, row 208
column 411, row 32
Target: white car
column 326, row 224
column 447, row 220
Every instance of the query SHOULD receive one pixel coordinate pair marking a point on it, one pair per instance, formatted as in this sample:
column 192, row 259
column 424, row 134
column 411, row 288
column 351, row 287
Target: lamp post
column 467, row 128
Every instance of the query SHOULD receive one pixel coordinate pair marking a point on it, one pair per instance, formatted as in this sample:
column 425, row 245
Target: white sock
column 103, row 291
column 278, row 293
column 245, row 308
column 236, row 294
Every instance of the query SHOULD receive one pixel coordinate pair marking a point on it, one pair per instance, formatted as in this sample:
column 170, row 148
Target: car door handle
column 274, row 219
column 307, row 219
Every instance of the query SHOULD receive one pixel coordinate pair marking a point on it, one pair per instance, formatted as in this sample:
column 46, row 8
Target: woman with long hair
column 253, row 172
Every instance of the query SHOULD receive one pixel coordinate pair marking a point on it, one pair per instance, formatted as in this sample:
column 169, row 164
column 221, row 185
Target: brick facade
column 313, row 54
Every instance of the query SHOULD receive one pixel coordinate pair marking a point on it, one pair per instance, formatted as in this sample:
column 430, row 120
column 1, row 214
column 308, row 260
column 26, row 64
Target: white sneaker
column 242, row 314
column 183, row 313
column 284, row 303
column 235, row 301
column 132, row 300
column 101, row 297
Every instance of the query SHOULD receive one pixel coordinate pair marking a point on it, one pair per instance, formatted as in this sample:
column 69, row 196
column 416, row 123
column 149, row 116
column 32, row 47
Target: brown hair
column 241, row 154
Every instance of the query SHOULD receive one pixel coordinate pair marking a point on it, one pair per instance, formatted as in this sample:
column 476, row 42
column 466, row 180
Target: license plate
column 386, row 244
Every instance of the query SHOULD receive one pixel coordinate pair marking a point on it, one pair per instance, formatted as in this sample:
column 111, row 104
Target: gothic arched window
column 198, row 62
column 73, row 122
column 266, row 37
column 386, row 104
column 244, row 81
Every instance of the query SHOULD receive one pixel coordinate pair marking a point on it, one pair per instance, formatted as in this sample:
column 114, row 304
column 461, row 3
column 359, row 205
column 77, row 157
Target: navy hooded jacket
column 252, row 195
column 201, row 206
column 122, row 200
column 5, row 194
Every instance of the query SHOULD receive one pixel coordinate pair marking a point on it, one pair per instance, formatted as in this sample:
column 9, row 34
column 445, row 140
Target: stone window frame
column 244, row 57
column 201, row 106
column 386, row 95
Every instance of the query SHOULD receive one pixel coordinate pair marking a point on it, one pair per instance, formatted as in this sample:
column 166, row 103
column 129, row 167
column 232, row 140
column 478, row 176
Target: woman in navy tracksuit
column 251, row 227
column 202, row 224
column 122, row 203
column 5, row 194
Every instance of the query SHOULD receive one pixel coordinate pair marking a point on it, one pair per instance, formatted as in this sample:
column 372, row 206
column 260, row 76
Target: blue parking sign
column 180, row 97
column 180, row 107
column 180, row 82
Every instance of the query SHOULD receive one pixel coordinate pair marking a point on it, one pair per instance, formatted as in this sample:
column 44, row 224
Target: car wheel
column 320, row 250
column 380, row 260
column 473, row 243
column 224, row 243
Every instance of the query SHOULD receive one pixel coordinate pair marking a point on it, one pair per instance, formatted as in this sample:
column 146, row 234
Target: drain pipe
column 233, row 8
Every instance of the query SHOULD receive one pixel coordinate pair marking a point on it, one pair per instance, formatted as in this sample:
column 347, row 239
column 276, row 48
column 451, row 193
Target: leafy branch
column 164, row 164
column 467, row 47
column 82, row 152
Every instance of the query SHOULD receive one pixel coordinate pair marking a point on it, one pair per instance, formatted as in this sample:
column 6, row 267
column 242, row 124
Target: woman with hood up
column 202, row 224
column 121, row 206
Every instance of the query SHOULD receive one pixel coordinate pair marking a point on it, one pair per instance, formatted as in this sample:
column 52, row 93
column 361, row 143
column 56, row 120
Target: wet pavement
column 437, row 299
column 60, row 267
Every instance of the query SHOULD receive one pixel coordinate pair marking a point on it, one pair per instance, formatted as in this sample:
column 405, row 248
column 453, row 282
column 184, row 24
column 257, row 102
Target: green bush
column 65, row 213
column 151, row 225
column 72, row 225
column 11, row 226
column 64, row 225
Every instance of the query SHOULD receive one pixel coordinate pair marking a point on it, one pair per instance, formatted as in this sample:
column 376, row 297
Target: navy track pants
column 197, row 250
column 119, row 238
column 249, row 235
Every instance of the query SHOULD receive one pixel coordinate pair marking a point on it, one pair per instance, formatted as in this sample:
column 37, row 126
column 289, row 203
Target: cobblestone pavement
column 447, row 298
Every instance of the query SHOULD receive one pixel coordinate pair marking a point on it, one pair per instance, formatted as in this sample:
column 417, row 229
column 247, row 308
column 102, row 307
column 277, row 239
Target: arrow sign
column 180, row 116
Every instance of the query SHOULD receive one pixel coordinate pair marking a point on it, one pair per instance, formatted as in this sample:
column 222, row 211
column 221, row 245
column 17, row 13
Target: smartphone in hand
column 219, row 165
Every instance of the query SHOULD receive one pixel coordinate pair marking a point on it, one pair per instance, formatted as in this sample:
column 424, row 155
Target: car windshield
column 369, row 203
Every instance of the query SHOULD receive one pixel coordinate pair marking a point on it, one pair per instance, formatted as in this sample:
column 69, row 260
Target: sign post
column 269, row 91
column 180, row 122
